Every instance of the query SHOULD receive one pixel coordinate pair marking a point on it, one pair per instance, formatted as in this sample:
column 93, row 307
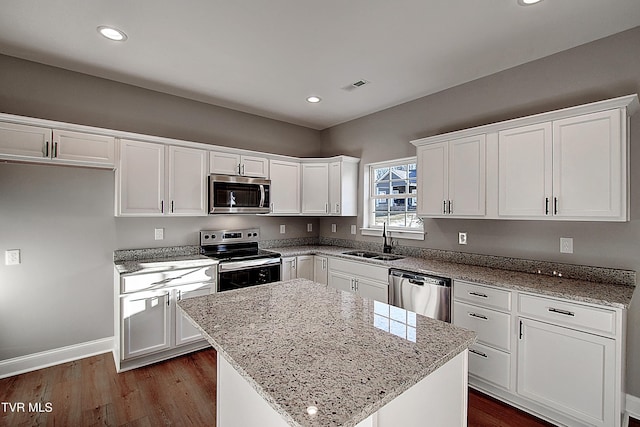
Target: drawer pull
column 479, row 353
column 478, row 316
column 559, row 311
column 477, row 294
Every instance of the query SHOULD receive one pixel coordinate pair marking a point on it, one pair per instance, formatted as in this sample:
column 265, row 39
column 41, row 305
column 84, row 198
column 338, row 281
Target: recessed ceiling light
column 112, row 33
column 314, row 99
column 528, row 2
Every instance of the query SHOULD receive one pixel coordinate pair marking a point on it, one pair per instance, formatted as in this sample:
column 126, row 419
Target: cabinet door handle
column 324, row 264
column 479, row 353
column 560, row 311
column 478, row 316
column 55, row 150
column 161, row 206
column 168, row 300
column 520, row 331
column 46, row 148
column 450, row 207
column 172, row 206
column 179, row 295
column 477, row 294
column 337, row 207
column 555, row 206
column 546, row 206
column 242, row 169
column 293, row 264
column 271, row 207
column 326, row 208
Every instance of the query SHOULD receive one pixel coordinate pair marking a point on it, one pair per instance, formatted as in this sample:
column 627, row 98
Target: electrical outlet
column 333, row 228
column 462, row 238
column 566, row 245
column 159, row 233
column 353, row 229
column 309, row 227
column 12, row 257
column 283, row 229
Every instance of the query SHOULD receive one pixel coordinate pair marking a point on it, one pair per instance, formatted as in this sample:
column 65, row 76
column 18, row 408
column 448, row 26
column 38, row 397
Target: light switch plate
column 353, row 229
column 12, row 257
column 333, row 228
column 159, row 233
column 283, row 229
column 566, row 245
column 310, row 227
column 462, row 238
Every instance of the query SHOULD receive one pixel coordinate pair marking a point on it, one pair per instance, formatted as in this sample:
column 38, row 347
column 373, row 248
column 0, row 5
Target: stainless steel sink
column 373, row 255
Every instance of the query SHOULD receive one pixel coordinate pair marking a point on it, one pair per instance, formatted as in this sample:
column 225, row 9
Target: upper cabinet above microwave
column 224, row 163
column 570, row 164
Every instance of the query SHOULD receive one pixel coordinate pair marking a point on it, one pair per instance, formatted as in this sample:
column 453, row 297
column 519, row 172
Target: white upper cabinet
column 569, row 164
column 573, row 168
column 285, row 187
column 452, row 178
column 236, row 164
column 46, row 145
column 143, row 188
column 315, row 188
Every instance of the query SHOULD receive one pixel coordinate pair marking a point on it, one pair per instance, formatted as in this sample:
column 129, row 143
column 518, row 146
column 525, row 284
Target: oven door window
column 235, row 195
column 229, row 280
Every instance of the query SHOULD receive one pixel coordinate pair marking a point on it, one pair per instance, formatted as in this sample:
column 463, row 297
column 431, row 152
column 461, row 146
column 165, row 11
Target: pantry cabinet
column 452, row 178
column 285, row 187
column 156, row 179
column 236, row 164
column 56, row 146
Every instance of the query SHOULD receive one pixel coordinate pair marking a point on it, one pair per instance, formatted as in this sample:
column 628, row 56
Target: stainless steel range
column 241, row 262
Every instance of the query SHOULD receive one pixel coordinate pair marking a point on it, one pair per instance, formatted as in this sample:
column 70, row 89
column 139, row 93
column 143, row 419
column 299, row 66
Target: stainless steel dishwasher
column 421, row 293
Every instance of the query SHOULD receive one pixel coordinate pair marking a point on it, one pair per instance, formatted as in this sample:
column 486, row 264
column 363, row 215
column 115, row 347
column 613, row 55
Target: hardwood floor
column 180, row 391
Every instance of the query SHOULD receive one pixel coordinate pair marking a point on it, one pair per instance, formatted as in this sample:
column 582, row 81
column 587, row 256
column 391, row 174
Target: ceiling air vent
column 356, row 85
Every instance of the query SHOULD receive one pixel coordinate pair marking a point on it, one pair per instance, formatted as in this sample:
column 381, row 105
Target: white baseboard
column 633, row 406
column 32, row 362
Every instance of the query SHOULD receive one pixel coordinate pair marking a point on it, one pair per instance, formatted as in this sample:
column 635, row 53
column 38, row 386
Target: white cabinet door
column 341, row 281
column 288, row 268
column 146, row 323
column 185, row 331
column 433, row 171
column 372, row 289
column 224, row 163
column 320, row 271
column 141, row 179
column 589, row 171
column 315, row 188
column 567, row 370
column 467, row 176
column 257, row 167
column 304, row 267
column 335, row 188
column 285, row 187
column 187, row 181
column 525, row 171
column 83, row 148
column 22, row 141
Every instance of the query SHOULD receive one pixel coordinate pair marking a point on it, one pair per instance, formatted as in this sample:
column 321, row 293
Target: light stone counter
column 607, row 294
column 299, row 343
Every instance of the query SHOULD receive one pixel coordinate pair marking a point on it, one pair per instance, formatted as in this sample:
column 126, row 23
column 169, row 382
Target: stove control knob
column 213, row 236
column 206, row 236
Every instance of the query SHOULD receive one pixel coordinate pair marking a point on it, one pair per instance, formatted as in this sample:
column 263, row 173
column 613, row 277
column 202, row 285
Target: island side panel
column 440, row 399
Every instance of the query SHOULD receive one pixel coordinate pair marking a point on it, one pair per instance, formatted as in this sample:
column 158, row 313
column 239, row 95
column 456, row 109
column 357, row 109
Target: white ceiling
column 266, row 56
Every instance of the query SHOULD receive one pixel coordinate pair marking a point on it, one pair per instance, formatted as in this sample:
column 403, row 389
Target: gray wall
column 62, row 218
column 603, row 69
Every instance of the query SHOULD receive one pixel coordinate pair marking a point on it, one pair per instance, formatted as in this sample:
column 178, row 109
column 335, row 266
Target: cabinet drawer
column 482, row 295
column 490, row 365
column 493, row 328
column 568, row 314
column 149, row 281
column 360, row 269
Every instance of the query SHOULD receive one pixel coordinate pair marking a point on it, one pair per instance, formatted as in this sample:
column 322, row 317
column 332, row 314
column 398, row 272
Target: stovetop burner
column 233, row 245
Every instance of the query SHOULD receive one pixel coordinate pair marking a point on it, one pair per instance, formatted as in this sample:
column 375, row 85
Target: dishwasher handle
column 420, row 279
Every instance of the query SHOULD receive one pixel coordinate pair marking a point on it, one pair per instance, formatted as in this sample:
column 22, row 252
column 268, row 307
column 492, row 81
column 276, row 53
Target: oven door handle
column 243, row 265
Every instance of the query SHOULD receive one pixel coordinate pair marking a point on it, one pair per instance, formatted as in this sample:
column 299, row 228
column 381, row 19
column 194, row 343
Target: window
column 392, row 195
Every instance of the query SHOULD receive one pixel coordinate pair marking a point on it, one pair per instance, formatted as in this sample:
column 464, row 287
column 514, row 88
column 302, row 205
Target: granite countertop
column 165, row 263
column 612, row 295
column 301, row 343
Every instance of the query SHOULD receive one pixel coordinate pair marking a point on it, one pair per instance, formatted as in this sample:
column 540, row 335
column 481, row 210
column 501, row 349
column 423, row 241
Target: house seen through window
column 393, row 194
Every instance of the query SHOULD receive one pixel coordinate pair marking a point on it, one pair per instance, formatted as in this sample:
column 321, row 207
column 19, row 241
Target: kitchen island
column 303, row 354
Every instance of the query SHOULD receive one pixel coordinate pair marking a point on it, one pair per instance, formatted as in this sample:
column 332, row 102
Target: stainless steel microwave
column 238, row 194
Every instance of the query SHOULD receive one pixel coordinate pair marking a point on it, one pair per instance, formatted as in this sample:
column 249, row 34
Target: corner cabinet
column 156, row 180
column 330, row 187
column 452, row 178
column 570, row 164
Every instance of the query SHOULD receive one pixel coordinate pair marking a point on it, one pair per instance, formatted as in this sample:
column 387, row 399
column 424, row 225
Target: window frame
column 369, row 228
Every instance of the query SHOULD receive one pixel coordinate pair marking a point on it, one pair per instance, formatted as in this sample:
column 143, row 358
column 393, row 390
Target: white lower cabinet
column 150, row 326
column 559, row 359
column 367, row 280
column 297, row 267
column 321, row 269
